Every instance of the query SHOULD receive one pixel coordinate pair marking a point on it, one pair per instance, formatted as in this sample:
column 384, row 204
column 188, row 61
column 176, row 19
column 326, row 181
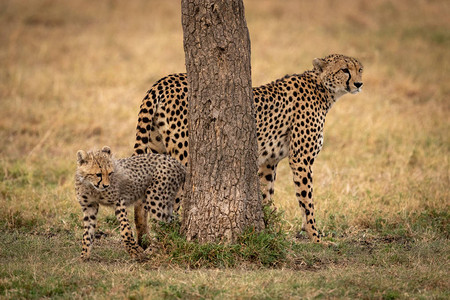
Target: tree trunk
column 222, row 188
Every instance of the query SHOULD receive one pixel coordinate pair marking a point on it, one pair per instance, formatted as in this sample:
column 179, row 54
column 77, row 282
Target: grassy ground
column 72, row 75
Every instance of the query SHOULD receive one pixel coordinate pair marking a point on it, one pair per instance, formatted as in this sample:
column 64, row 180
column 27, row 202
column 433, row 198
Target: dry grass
column 72, row 75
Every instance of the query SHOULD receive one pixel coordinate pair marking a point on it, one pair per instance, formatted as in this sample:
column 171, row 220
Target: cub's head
column 95, row 167
column 340, row 74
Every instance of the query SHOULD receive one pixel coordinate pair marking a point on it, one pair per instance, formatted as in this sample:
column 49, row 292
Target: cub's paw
column 84, row 258
column 138, row 253
column 327, row 243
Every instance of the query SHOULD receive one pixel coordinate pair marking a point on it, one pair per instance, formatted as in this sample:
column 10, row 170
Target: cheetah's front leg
column 303, row 191
column 125, row 231
column 90, row 222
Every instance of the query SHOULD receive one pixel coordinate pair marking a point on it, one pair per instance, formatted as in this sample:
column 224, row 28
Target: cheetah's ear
column 81, row 157
column 107, row 150
column 319, row 64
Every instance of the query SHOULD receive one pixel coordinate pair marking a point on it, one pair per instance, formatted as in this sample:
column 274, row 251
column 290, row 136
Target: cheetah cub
column 152, row 179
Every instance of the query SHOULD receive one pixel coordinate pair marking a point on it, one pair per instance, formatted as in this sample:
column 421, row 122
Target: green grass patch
column 36, row 266
column 264, row 248
column 378, row 262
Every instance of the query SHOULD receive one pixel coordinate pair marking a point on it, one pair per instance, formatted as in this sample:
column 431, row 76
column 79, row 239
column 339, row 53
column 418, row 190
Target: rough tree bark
column 222, row 195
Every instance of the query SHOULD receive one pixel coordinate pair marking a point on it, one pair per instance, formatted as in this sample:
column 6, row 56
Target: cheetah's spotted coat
column 290, row 116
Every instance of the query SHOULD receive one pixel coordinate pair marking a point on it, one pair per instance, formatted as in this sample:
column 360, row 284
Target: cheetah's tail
column 148, row 138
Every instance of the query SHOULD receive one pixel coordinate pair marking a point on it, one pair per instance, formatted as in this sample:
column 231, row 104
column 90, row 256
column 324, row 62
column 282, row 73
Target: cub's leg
column 177, row 203
column 160, row 204
column 90, row 223
column 125, row 231
column 140, row 219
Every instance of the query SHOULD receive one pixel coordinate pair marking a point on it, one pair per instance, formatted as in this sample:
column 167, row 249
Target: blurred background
column 73, row 73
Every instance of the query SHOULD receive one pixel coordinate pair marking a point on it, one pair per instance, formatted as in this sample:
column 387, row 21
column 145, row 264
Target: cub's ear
column 81, row 157
column 107, row 150
column 319, row 64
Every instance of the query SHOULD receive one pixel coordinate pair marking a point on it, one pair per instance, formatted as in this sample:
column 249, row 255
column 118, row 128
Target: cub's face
column 340, row 74
column 96, row 168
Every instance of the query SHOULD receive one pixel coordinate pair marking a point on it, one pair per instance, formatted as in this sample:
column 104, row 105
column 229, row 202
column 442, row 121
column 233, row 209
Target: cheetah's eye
column 345, row 70
column 360, row 70
column 110, row 173
column 99, row 174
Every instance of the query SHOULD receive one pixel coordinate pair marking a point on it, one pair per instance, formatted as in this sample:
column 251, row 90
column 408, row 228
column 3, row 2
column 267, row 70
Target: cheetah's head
column 95, row 168
column 340, row 74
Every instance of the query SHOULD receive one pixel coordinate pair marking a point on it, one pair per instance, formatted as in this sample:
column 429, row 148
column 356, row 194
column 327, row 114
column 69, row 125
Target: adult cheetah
column 151, row 179
column 290, row 117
